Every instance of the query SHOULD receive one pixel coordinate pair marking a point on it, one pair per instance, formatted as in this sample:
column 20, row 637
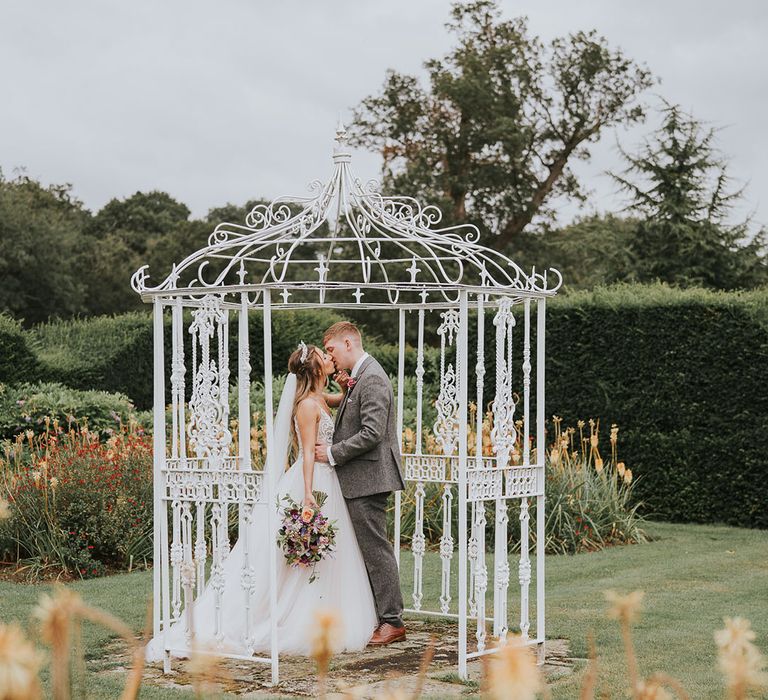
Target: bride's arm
column 334, row 400
column 307, row 414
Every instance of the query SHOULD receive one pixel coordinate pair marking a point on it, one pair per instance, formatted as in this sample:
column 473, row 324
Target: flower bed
column 78, row 505
column 590, row 502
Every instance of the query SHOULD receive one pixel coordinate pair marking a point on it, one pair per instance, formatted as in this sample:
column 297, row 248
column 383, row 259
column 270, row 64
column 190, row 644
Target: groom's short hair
column 342, row 328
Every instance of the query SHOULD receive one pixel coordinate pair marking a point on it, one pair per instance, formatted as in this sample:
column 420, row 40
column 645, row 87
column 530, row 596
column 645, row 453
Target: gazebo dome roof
column 343, row 242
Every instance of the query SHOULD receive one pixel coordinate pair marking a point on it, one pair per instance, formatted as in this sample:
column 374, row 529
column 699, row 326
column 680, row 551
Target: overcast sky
column 224, row 101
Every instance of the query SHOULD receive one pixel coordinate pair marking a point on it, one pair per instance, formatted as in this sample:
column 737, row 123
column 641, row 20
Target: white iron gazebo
column 348, row 247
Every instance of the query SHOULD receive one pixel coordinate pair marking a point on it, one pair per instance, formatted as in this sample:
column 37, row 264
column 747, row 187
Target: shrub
column 590, row 501
column 108, row 353
column 77, row 504
column 17, row 359
column 33, row 406
column 590, row 504
column 115, row 353
column 686, row 372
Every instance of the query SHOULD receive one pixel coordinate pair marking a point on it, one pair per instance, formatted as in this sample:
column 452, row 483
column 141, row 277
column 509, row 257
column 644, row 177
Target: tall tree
column 138, row 218
column 125, row 234
column 678, row 182
column 40, row 245
column 491, row 138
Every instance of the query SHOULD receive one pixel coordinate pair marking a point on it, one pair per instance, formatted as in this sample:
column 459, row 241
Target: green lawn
column 693, row 576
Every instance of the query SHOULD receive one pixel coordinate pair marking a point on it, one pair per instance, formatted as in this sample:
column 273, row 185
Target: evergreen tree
column 679, row 184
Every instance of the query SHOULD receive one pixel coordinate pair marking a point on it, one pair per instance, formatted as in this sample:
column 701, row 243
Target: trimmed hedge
column 114, row 353
column 106, row 353
column 17, row 359
column 685, row 375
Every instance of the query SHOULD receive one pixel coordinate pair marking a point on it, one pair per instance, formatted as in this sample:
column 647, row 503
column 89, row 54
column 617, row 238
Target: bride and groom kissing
column 354, row 459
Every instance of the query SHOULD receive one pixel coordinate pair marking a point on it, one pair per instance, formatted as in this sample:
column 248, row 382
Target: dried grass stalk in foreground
column 325, row 641
column 739, row 659
column 19, row 665
column 57, row 615
column 590, row 678
column 626, row 609
column 511, row 673
column 205, row 667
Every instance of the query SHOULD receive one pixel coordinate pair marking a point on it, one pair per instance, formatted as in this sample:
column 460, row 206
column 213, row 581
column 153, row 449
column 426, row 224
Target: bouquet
column 306, row 536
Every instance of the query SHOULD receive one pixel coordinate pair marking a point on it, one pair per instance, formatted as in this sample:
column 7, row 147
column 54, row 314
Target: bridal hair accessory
column 304, row 351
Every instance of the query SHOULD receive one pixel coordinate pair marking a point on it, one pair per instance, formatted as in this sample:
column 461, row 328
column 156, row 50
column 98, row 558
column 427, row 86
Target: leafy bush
column 33, row 406
column 17, row 359
column 77, row 504
column 590, row 501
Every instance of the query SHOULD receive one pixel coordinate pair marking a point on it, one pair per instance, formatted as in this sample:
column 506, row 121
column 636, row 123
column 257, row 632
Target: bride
column 342, row 583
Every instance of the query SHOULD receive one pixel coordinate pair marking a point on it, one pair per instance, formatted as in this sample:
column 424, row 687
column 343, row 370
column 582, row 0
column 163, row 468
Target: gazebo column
column 463, row 381
column 161, row 607
column 400, row 397
column 271, row 477
column 418, row 544
column 541, row 464
column 524, row 567
column 503, row 436
column 446, row 435
column 478, row 580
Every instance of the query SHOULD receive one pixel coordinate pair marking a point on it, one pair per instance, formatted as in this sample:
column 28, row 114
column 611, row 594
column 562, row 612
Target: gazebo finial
column 341, row 152
column 341, row 130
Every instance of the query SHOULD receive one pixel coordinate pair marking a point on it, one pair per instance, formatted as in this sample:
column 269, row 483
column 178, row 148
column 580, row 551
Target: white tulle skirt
column 341, row 585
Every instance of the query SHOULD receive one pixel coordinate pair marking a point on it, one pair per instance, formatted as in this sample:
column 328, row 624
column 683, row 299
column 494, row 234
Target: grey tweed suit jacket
column 365, row 444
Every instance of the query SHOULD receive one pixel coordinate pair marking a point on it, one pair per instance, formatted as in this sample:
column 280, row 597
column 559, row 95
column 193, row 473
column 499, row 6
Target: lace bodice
column 324, row 432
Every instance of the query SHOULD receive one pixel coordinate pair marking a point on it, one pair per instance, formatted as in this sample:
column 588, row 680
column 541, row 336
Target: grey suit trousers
column 369, row 514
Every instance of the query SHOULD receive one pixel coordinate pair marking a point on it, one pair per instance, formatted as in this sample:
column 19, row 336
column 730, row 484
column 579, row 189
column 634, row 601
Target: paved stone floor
column 361, row 675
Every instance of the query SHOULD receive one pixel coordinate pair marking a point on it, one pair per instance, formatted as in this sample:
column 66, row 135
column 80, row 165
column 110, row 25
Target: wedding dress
column 341, row 586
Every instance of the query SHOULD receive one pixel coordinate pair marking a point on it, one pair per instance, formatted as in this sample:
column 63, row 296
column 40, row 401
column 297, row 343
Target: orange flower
column 307, row 514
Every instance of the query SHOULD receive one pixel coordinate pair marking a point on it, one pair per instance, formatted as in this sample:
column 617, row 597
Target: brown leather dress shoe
column 386, row 634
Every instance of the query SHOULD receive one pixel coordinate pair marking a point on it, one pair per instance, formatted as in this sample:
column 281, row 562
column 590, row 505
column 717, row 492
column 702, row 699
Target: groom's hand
column 321, row 452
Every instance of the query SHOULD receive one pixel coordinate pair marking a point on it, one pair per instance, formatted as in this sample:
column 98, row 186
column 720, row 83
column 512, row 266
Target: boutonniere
column 351, row 383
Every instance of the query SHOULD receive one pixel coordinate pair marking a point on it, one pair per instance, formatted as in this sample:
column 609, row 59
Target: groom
column 366, row 455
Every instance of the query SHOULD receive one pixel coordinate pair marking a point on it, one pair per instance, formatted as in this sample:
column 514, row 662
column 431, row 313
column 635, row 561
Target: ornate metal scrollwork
column 447, row 423
column 208, row 432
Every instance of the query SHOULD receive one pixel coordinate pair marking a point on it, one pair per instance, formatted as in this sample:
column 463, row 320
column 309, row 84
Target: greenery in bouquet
column 306, row 536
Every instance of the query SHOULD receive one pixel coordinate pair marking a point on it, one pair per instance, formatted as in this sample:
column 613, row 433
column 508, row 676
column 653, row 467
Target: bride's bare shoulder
column 307, row 408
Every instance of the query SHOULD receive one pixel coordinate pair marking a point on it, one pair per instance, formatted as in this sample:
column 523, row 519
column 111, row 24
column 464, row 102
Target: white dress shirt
column 355, row 370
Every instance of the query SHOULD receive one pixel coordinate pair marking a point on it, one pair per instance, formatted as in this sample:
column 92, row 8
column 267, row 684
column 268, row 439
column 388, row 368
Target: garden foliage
column 684, row 373
column 26, row 407
column 77, row 504
column 17, row 358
